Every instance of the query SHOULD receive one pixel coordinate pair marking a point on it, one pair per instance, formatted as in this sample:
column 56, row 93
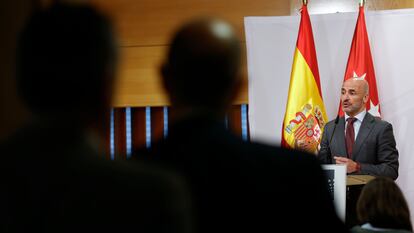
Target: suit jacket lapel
column 340, row 138
column 364, row 130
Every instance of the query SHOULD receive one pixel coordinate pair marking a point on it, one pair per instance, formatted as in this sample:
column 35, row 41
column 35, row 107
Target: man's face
column 353, row 96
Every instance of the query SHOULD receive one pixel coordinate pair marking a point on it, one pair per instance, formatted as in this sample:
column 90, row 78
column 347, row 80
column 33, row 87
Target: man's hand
column 303, row 145
column 351, row 166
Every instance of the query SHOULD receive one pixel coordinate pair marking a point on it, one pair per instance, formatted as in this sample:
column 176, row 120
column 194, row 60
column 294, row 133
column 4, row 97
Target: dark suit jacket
column 53, row 180
column 374, row 146
column 246, row 187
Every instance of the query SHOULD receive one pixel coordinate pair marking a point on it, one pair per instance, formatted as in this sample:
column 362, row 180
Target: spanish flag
column 305, row 114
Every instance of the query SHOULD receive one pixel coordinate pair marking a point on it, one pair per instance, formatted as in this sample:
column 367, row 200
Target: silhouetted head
column 202, row 67
column 66, row 61
column 383, row 205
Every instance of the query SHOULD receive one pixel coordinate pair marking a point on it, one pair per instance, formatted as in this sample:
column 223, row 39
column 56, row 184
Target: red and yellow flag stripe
column 305, row 113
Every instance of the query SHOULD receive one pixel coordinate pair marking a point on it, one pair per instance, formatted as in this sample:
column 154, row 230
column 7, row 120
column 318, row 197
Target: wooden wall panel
column 145, row 27
column 389, row 4
column 330, row 6
column 138, row 130
column 139, row 84
column 157, row 124
column 151, row 22
column 120, row 133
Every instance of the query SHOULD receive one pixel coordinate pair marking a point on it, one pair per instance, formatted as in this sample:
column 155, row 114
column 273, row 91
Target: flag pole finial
column 305, row 2
column 362, row 2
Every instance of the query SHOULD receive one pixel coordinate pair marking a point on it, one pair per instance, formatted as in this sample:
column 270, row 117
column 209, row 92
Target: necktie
column 350, row 136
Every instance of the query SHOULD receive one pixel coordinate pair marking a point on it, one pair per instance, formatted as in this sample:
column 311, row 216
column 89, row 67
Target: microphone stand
column 330, row 158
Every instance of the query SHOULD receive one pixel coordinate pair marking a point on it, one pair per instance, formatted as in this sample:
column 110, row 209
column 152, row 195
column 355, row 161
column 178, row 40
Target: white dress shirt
column 357, row 124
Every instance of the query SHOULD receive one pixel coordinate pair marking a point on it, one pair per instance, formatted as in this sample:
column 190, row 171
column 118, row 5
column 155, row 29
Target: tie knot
column 351, row 120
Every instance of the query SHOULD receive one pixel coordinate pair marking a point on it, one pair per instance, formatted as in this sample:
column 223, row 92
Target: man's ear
column 365, row 99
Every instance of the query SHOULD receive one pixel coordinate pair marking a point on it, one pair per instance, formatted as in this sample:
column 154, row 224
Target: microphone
column 330, row 140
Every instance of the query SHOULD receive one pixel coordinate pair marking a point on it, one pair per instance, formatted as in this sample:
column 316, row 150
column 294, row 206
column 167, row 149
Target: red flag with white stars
column 360, row 64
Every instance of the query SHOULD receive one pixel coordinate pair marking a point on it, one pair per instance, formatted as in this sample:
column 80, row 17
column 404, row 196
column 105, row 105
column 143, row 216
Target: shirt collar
column 368, row 226
column 360, row 116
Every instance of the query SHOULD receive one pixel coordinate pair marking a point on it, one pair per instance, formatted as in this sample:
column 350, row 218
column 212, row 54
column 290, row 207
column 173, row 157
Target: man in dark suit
column 53, row 174
column 237, row 186
column 363, row 142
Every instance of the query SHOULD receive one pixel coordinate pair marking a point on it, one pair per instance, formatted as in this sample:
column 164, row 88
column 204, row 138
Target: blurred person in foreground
column 237, row 186
column 382, row 207
column 54, row 176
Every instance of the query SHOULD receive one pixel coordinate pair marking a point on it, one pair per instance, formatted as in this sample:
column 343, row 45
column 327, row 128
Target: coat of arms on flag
column 305, row 114
column 306, row 127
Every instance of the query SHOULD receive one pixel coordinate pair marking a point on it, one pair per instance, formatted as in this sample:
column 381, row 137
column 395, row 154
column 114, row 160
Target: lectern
column 345, row 190
column 354, row 185
column 336, row 178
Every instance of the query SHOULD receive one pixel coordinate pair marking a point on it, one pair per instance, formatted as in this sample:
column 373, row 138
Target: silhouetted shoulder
column 78, row 189
column 161, row 197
